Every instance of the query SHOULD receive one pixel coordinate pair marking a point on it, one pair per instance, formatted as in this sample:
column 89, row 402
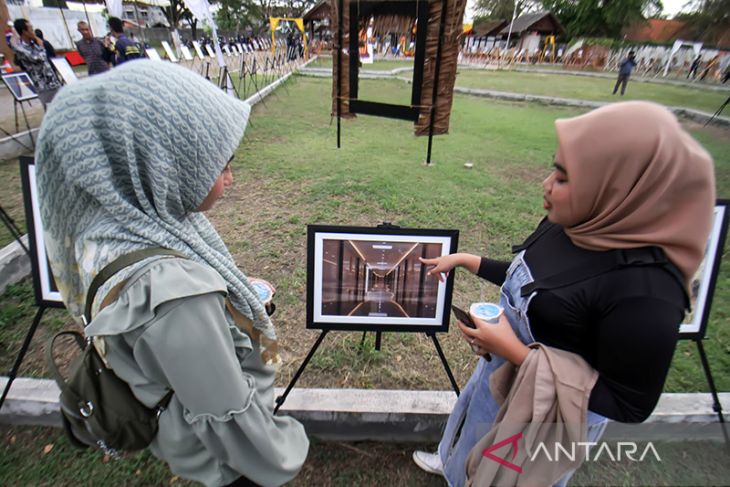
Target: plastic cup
column 488, row 312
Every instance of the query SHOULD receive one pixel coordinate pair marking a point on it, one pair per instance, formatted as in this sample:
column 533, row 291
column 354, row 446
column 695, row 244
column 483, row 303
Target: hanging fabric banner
column 201, row 10
column 114, row 7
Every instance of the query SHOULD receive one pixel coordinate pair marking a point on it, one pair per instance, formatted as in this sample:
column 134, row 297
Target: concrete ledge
column 18, row 144
column 14, row 263
column 381, row 415
column 689, row 113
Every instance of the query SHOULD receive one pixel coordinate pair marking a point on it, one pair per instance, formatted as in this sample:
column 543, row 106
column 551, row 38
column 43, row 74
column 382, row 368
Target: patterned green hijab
column 123, row 160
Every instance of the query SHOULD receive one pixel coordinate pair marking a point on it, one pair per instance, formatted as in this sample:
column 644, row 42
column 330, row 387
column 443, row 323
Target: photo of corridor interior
column 378, row 279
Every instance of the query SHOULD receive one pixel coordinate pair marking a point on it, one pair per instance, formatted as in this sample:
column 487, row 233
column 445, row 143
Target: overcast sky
column 671, row 8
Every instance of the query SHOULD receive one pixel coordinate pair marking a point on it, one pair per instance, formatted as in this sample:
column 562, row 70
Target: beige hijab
column 638, row 179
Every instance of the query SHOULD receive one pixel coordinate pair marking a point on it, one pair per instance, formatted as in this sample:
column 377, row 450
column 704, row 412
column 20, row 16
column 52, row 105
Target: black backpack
column 97, row 407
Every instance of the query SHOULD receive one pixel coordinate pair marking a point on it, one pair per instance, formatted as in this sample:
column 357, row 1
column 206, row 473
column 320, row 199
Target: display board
column 702, row 286
column 46, row 292
column 361, row 278
column 20, row 86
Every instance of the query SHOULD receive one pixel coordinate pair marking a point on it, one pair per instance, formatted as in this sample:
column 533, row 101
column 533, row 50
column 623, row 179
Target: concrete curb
column 365, row 414
column 14, row 263
column 18, row 144
column 639, row 79
column 689, row 113
column 268, row 89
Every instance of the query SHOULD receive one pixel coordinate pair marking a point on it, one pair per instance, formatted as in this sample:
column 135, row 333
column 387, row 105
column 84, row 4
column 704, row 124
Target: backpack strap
column 605, row 262
column 117, row 265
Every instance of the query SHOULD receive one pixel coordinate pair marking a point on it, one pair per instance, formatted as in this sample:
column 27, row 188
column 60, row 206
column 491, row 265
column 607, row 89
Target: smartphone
column 464, row 317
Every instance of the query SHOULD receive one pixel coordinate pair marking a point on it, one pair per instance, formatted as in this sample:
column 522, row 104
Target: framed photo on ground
column 702, row 286
column 371, row 279
column 168, row 50
column 46, row 292
column 64, row 70
column 153, row 54
column 20, row 86
column 186, row 53
column 198, row 51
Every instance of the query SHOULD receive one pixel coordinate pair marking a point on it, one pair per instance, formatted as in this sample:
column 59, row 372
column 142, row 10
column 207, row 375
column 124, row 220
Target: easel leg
column 13, row 229
column 30, row 133
column 280, row 400
column 443, row 361
column 716, row 405
column 23, row 351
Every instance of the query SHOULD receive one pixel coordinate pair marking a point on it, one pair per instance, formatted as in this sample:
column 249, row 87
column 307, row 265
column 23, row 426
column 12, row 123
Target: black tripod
column 718, row 111
column 13, row 229
column 15, row 232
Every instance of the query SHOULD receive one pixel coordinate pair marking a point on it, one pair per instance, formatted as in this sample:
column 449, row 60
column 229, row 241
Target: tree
column 502, row 9
column 710, row 19
column 600, row 18
column 235, row 15
column 175, row 12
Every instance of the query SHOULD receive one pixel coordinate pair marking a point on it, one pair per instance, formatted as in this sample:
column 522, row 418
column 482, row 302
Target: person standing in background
column 96, row 52
column 50, row 51
column 31, row 55
column 694, row 67
column 624, row 72
column 126, row 49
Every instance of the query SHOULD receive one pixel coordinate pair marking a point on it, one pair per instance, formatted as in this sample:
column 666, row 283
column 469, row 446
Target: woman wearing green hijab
column 125, row 161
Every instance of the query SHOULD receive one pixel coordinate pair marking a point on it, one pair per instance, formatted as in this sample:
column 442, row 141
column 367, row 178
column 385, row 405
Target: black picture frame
column 702, row 286
column 388, row 110
column 44, row 286
column 432, row 304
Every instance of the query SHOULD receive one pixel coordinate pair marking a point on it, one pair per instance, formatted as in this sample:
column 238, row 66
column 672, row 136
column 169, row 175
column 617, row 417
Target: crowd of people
column 33, row 53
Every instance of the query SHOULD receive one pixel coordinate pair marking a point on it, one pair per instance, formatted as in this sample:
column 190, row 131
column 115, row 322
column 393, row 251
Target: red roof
column 659, row 31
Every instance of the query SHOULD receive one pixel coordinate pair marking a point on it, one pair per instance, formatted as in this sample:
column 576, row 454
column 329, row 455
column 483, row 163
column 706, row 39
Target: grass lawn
column 585, row 88
column 288, row 173
column 42, row 457
column 378, row 65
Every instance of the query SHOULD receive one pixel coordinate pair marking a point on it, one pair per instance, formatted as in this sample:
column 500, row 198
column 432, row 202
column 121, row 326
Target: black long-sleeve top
column 624, row 323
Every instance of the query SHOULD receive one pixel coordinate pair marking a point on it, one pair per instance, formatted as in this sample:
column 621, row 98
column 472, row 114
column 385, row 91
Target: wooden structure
column 435, row 58
column 530, row 30
column 317, row 20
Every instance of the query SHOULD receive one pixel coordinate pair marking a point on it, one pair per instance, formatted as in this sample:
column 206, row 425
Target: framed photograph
column 20, row 86
column 64, row 70
column 210, row 51
column 198, row 51
column 371, row 279
column 240, row 48
column 46, row 292
column 153, row 54
column 226, row 50
column 168, row 50
column 702, row 286
column 186, row 53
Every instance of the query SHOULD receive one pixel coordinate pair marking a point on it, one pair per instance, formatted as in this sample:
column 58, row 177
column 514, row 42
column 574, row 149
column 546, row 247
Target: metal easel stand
column 23, row 350
column 280, row 400
column 716, row 405
column 718, row 111
column 25, row 117
column 13, row 229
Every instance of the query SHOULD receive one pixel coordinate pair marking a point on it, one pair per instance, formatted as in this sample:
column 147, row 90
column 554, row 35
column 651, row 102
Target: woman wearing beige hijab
column 629, row 205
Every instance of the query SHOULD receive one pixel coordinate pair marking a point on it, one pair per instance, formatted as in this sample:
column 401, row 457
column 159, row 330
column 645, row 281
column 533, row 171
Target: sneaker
column 429, row 462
